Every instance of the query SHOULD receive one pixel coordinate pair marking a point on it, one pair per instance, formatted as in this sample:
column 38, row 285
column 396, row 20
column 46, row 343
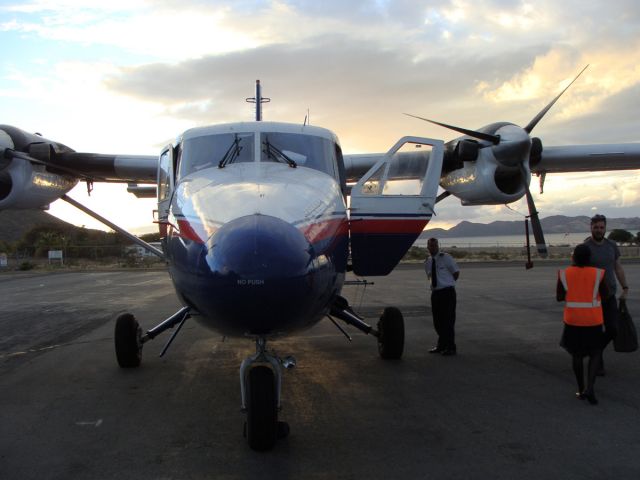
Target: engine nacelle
column 24, row 185
column 485, row 181
column 27, row 185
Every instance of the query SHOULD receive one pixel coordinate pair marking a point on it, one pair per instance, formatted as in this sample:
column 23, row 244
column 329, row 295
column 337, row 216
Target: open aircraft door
column 392, row 203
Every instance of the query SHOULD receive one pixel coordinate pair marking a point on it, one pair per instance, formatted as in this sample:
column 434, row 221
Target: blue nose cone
column 265, row 278
column 257, row 249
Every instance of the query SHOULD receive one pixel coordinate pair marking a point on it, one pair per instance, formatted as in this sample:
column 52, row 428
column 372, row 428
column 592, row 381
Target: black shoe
column 436, row 350
column 282, row 429
column 448, row 352
column 580, row 396
column 591, row 397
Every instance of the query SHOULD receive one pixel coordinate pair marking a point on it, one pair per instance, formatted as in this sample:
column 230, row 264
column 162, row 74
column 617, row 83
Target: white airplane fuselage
column 257, row 246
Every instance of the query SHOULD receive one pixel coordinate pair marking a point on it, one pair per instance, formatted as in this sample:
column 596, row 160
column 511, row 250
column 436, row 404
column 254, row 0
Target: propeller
column 534, row 152
column 536, row 226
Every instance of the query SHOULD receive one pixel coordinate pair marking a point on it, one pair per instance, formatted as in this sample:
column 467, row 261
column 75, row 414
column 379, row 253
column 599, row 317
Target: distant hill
column 15, row 223
column 553, row 224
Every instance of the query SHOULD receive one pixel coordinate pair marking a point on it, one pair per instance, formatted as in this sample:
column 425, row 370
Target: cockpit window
column 304, row 150
column 221, row 150
column 213, row 150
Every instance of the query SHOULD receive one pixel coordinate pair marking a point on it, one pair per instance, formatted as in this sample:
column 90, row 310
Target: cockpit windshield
column 294, row 149
column 215, row 151
column 303, row 150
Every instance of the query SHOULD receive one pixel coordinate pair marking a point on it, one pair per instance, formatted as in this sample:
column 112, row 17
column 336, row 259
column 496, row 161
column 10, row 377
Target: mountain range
column 552, row 224
column 15, row 223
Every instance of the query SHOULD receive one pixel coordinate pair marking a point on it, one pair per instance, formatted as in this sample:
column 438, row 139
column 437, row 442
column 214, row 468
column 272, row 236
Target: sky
column 129, row 76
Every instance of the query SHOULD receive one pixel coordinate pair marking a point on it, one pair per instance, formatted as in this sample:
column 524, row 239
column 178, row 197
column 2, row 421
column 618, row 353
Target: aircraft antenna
column 258, row 100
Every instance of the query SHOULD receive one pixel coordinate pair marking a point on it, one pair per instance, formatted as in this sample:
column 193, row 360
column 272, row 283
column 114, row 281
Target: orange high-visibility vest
column 582, row 306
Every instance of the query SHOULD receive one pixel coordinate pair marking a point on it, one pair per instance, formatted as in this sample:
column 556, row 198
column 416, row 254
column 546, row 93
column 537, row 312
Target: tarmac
column 503, row 408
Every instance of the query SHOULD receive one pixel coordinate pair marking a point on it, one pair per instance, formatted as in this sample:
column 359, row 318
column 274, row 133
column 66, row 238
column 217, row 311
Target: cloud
column 162, row 30
column 159, row 67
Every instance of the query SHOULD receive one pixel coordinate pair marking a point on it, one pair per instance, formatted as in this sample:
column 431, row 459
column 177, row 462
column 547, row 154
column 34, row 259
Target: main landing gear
column 390, row 331
column 129, row 338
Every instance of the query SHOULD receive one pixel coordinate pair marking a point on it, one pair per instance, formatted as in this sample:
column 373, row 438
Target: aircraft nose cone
column 264, row 276
column 258, row 248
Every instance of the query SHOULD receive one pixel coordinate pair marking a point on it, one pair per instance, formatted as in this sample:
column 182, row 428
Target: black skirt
column 582, row 341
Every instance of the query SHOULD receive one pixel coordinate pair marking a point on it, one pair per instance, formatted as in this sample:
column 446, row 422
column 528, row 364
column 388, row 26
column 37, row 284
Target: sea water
column 552, row 239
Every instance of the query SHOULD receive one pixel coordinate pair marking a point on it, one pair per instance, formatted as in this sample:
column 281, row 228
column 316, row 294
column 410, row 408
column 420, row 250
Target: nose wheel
column 262, row 409
column 260, row 385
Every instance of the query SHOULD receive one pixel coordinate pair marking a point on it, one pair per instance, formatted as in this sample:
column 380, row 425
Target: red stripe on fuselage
column 187, row 231
column 314, row 232
column 317, row 232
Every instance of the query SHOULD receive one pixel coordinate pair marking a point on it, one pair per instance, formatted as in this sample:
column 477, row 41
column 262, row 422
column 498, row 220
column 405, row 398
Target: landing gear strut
column 260, row 387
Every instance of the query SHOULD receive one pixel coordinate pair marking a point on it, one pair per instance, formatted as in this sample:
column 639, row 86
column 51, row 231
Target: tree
column 151, row 237
column 6, row 247
column 621, row 236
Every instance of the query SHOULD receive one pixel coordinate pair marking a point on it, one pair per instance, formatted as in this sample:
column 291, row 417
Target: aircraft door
column 165, row 188
column 392, row 203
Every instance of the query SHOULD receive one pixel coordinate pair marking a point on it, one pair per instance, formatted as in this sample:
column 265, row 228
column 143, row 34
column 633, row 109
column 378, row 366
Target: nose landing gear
column 260, row 387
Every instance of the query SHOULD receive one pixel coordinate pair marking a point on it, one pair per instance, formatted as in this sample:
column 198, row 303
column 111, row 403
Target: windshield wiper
column 232, row 153
column 277, row 154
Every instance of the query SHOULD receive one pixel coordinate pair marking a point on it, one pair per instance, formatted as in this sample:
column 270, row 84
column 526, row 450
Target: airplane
column 260, row 222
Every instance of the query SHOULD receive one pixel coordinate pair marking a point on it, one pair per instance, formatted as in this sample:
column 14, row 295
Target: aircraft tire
column 128, row 336
column 262, row 409
column 391, row 334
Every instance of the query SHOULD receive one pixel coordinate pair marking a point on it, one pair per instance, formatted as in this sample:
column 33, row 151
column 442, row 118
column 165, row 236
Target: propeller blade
column 495, row 139
column 544, row 111
column 529, row 264
column 536, row 226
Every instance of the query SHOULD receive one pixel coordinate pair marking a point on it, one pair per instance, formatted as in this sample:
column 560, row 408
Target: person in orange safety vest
column 581, row 288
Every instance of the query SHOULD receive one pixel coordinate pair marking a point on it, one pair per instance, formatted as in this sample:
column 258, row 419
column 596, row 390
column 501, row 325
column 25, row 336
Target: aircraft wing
column 588, row 158
column 110, row 168
column 356, row 165
column 35, row 171
column 557, row 159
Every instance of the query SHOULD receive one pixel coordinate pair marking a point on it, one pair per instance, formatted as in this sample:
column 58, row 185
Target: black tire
column 391, row 334
column 128, row 335
column 262, row 409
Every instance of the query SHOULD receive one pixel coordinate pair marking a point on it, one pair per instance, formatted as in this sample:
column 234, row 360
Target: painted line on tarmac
column 49, row 347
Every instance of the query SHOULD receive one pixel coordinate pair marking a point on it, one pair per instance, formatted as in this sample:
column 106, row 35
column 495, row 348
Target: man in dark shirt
column 606, row 255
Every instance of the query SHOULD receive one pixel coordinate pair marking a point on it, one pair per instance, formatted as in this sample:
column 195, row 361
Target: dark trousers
column 443, row 309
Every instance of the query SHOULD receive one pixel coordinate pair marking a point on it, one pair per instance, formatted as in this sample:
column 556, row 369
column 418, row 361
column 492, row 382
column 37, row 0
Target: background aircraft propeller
column 534, row 155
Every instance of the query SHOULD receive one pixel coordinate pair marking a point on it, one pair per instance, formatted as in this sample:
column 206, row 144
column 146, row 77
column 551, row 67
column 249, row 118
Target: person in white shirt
column 443, row 273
